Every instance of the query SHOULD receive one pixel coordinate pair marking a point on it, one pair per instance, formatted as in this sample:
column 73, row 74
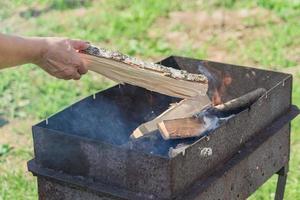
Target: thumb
column 79, row 44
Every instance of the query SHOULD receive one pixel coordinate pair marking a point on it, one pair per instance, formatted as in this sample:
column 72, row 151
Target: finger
column 76, row 76
column 81, row 68
column 63, row 76
column 79, row 44
column 67, row 73
column 71, row 73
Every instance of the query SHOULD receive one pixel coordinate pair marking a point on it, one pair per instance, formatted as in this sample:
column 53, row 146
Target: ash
column 213, row 118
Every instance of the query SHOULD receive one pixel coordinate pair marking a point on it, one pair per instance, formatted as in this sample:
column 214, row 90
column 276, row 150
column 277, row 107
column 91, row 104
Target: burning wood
column 203, row 121
column 241, row 102
column 125, row 69
column 185, row 108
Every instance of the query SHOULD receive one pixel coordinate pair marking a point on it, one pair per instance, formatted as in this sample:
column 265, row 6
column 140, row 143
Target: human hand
column 59, row 57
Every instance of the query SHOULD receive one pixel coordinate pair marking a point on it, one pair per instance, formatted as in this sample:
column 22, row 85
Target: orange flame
column 220, row 91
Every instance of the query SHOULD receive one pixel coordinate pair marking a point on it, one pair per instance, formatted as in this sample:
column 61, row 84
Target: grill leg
column 281, row 182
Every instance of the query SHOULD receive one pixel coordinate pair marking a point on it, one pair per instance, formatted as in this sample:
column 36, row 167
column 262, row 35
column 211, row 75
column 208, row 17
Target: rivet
column 207, row 138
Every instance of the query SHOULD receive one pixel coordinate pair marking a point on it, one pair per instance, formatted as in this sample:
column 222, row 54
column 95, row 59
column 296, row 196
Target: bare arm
column 57, row 56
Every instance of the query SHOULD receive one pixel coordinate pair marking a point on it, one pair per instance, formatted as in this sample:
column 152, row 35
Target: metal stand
column 281, row 182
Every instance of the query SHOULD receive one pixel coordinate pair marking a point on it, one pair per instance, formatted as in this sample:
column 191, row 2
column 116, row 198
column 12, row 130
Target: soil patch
column 216, row 30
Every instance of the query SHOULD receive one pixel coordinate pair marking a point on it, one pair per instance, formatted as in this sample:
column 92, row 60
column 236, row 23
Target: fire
column 220, row 91
column 216, row 99
column 218, row 82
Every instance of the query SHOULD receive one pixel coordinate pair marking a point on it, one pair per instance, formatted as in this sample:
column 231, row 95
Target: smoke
column 217, row 83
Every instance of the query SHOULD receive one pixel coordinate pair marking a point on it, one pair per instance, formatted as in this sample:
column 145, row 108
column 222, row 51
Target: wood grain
column 154, row 77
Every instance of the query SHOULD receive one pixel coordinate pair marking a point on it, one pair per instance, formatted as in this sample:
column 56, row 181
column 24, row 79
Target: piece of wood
column 154, row 77
column 181, row 128
column 206, row 120
column 184, row 108
column 242, row 101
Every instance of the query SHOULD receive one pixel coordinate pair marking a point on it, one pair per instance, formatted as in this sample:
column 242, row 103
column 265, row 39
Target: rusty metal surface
column 249, row 168
column 89, row 138
column 53, row 179
column 247, row 175
column 52, row 190
column 106, row 164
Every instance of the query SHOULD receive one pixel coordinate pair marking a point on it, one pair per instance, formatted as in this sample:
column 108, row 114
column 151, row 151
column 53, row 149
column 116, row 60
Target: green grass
column 4, row 149
column 15, row 186
column 28, row 92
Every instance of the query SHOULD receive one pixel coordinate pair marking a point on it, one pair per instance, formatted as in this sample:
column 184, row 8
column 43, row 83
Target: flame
column 216, row 99
column 220, row 91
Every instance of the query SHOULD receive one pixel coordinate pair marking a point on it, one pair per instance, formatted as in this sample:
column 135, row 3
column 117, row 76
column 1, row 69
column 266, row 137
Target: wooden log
column 154, row 77
column 241, row 102
column 199, row 123
column 185, row 108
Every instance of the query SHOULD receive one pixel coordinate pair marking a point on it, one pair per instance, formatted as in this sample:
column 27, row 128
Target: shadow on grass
column 3, row 121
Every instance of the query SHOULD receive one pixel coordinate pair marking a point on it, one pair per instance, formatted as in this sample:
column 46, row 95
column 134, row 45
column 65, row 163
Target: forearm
column 57, row 56
column 15, row 50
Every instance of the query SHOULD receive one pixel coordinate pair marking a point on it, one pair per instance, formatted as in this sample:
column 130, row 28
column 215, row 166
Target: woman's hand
column 59, row 57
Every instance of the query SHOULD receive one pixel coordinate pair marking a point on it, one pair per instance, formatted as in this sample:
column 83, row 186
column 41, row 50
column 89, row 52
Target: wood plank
column 185, row 108
column 181, row 128
column 154, row 77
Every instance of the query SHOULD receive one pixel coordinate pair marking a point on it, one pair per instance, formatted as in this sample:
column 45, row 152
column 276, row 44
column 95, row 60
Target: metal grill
column 84, row 151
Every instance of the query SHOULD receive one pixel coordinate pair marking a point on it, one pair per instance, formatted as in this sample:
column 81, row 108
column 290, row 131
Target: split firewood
column 185, row 108
column 155, row 77
column 207, row 119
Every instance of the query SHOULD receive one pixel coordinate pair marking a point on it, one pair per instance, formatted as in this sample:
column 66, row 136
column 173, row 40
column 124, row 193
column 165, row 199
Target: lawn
column 261, row 33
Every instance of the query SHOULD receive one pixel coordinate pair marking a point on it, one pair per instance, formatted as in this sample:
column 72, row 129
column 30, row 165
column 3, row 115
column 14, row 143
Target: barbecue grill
column 85, row 152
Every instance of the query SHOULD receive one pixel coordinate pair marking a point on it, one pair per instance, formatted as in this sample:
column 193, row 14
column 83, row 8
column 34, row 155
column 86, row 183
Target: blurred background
column 260, row 33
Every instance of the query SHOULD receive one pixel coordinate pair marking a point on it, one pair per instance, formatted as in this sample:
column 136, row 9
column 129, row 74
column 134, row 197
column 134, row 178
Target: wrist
column 38, row 48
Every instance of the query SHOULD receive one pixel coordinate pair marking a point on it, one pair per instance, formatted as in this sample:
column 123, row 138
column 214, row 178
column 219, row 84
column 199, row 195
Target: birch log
column 154, row 77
